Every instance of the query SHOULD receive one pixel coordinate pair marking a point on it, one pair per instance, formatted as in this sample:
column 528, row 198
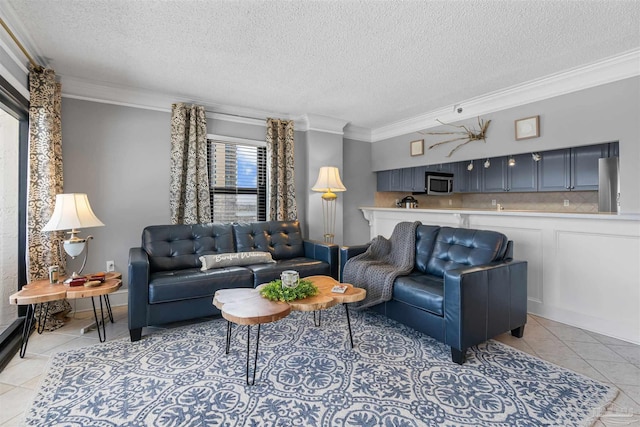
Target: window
column 237, row 174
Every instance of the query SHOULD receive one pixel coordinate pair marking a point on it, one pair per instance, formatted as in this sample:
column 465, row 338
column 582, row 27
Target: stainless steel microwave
column 438, row 183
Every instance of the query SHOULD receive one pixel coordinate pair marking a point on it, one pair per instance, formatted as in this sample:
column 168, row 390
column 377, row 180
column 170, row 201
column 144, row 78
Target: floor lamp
column 72, row 212
column 328, row 183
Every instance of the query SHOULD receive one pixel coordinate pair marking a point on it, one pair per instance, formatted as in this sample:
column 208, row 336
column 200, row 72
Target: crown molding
column 609, row 70
column 319, row 123
column 358, row 133
column 77, row 88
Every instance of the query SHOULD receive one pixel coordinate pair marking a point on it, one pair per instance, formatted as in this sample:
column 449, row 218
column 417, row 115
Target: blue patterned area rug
column 309, row 376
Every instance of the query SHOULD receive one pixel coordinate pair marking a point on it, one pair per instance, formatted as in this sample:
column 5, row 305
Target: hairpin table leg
column 26, row 329
column 42, row 320
column 229, row 325
column 255, row 359
column 319, row 320
column 101, row 336
column 108, row 304
column 346, row 308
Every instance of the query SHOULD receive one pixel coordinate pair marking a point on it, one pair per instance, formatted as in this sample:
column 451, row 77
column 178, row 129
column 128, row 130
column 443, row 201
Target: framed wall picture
column 417, row 147
column 528, row 128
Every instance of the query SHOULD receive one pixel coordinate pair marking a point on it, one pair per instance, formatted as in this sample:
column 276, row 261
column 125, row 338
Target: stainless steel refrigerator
column 609, row 185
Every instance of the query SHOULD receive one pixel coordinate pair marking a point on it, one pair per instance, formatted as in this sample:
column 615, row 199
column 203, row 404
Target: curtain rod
column 17, row 42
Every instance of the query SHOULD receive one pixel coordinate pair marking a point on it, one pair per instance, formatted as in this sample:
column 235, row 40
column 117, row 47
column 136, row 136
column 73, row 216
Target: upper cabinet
column 408, row 179
column 571, row 169
column 465, row 180
column 521, row 177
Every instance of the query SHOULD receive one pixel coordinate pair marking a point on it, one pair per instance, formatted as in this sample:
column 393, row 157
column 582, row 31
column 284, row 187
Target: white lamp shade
column 328, row 180
column 72, row 211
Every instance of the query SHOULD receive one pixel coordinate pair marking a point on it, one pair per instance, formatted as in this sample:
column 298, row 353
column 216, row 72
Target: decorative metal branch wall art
column 467, row 135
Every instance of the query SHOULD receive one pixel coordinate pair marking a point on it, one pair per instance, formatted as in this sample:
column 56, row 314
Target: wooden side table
column 43, row 292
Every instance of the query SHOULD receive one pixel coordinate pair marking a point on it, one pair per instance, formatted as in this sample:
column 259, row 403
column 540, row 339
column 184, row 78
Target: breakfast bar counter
column 584, row 268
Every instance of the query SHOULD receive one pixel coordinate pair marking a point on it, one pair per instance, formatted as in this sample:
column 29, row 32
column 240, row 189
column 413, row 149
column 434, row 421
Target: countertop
column 508, row 212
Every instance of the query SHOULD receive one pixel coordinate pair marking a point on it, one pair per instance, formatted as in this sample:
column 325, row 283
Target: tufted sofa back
column 462, row 247
column 425, row 241
column 282, row 239
column 176, row 247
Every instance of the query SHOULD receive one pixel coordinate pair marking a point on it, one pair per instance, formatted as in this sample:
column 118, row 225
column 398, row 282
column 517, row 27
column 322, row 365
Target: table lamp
column 72, row 212
column 328, row 183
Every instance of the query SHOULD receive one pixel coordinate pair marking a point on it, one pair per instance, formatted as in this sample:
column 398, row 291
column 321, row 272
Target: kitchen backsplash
column 579, row 201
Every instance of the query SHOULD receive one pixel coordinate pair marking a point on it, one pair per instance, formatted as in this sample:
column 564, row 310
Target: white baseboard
column 118, row 298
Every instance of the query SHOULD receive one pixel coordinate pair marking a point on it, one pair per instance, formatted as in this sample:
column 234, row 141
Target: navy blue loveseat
column 166, row 283
column 464, row 289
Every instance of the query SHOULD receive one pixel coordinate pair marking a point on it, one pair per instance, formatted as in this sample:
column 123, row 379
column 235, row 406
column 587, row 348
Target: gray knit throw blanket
column 376, row 269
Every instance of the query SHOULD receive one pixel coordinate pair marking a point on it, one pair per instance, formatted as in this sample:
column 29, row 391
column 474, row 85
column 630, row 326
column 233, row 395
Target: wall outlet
column 111, row 266
column 493, row 202
column 566, row 202
column 450, row 202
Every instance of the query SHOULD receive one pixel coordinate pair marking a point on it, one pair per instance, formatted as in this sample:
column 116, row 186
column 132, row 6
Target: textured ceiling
column 369, row 63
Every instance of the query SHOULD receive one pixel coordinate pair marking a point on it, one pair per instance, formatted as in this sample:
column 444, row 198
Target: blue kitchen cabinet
column 389, row 180
column 571, row 169
column 465, row 180
column 499, row 176
column 494, row 178
column 418, row 178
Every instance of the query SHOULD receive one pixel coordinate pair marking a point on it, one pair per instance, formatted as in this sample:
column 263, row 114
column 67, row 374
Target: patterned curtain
column 280, row 172
column 189, row 192
column 45, row 171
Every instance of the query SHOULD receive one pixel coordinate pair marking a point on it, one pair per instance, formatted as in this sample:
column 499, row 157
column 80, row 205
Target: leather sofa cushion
column 176, row 247
column 264, row 273
column 425, row 241
column 423, row 291
column 463, row 247
column 168, row 286
column 282, row 239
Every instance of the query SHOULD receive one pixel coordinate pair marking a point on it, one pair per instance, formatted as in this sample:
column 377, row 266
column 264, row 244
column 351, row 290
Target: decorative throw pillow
column 237, row 258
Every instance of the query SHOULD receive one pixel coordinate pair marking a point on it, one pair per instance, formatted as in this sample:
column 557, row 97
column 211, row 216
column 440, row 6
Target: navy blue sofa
column 465, row 287
column 166, row 283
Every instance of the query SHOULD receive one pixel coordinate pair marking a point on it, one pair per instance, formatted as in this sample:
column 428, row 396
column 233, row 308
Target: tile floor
column 602, row 358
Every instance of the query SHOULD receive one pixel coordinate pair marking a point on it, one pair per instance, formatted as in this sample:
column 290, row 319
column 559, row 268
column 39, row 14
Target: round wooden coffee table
column 327, row 299
column 245, row 306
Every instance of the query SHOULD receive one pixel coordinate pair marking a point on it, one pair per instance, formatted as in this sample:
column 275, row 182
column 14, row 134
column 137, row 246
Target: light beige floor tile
column 34, row 383
column 551, row 347
column 74, row 344
column 16, row 421
column 608, row 340
column 633, row 391
column 595, row 351
column 618, row 373
column 5, row 387
column 514, row 342
column 31, row 367
column 631, row 353
column 45, row 342
column 546, row 322
column 14, row 403
column 578, row 365
column 537, row 332
column 569, row 333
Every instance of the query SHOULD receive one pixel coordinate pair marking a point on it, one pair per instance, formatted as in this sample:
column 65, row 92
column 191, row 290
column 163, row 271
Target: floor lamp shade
column 329, row 183
column 73, row 212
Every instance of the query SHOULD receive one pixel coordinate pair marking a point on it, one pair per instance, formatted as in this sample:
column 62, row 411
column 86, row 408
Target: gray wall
column 119, row 156
column 361, row 186
column 601, row 114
